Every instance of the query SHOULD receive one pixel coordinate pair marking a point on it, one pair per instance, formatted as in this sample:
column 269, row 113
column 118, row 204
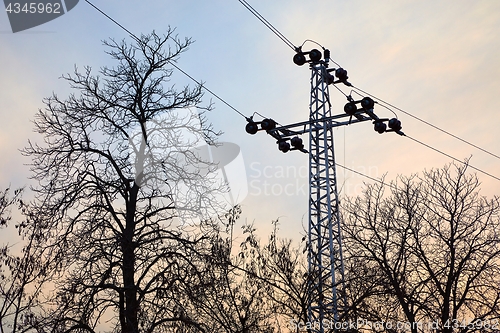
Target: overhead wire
column 312, row 41
column 366, row 176
column 429, row 124
column 208, row 90
column 453, row 158
column 382, row 102
column 112, row 20
column 315, row 42
column 268, row 24
column 171, row 62
column 340, row 90
column 284, row 39
column 385, row 107
column 413, row 116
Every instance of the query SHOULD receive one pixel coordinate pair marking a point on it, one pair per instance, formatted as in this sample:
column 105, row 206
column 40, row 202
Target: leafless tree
column 107, row 223
column 264, row 283
column 426, row 252
column 21, row 275
column 236, row 301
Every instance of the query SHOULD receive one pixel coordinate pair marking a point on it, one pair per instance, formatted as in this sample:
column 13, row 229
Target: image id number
column 33, row 8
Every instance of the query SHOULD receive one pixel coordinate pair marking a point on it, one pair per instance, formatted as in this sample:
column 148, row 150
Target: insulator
column 329, row 78
column 341, row 74
column 367, row 103
column 315, row 55
column 251, row 128
column 380, row 127
column 268, row 124
column 395, row 124
column 297, row 142
column 326, row 54
column 350, row 108
column 299, row 59
column 284, row 146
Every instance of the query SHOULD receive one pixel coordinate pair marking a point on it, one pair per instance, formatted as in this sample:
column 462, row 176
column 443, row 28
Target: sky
column 437, row 60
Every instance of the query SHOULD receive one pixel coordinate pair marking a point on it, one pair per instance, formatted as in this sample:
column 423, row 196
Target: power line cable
column 210, row 91
column 282, row 37
column 267, row 24
column 453, row 158
column 112, row 20
column 171, row 63
column 429, row 124
column 314, row 42
column 366, row 176
column 426, row 145
column 290, row 44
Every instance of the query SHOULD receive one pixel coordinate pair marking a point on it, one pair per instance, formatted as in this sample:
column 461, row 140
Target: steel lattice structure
column 326, row 268
column 326, row 282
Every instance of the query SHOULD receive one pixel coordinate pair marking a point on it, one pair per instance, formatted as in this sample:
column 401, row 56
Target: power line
column 366, row 176
column 171, row 63
column 282, row 37
column 453, row 158
column 210, row 91
column 419, row 119
column 429, row 124
column 293, row 47
column 267, row 24
column 112, row 20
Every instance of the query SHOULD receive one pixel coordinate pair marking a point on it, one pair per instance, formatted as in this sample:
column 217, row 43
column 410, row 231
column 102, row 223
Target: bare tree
column 425, row 254
column 236, row 301
column 264, row 283
column 107, row 224
column 21, row 274
column 284, row 268
column 10, row 290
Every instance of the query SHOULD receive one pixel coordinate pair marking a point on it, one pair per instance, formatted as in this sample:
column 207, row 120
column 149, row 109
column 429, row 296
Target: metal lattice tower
column 326, row 283
column 326, row 268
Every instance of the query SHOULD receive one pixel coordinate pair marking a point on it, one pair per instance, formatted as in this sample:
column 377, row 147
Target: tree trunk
column 131, row 304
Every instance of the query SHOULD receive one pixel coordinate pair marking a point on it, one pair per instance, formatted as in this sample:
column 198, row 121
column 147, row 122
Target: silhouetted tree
column 235, row 301
column 427, row 252
column 21, row 274
column 422, row 254
column 263, row 284
column 107, row 225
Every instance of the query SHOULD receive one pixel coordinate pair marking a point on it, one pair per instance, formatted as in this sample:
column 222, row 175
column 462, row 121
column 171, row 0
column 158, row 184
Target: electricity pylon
column 326, row 269
column 326, row 281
